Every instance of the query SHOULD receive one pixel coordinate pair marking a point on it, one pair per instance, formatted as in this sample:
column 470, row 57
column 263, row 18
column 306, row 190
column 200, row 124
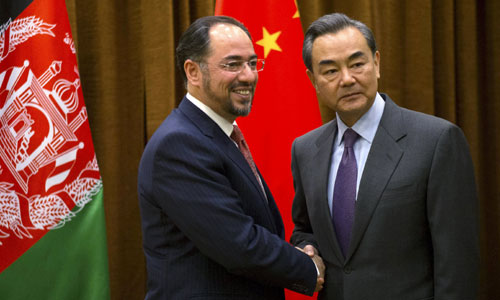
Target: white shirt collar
column 367, row 125
column 223, row 123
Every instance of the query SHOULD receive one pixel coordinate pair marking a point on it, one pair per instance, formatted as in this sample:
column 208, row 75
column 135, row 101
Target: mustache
column 243, row 85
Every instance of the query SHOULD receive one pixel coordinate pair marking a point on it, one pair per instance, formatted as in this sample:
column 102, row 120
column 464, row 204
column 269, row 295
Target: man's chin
column 242, row 111
column 353, row 104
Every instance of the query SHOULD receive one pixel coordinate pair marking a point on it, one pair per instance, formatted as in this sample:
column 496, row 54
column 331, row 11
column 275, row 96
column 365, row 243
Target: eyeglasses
column 236, row 66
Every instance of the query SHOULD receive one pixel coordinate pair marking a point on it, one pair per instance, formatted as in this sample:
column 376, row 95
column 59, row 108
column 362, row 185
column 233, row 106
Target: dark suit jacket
column 415, row 232
column 208, row 230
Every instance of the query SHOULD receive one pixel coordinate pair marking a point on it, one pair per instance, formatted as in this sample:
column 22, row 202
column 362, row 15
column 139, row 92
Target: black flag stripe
column 10, row 9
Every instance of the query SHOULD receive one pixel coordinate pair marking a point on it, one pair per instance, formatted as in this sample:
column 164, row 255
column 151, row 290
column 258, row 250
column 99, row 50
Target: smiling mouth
column 242, row 92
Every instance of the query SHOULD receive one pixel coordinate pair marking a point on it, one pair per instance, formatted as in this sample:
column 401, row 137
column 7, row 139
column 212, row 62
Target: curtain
column 440, row 57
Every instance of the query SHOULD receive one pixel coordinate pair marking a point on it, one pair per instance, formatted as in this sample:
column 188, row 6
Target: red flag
column 285, row 104
column 52, row 228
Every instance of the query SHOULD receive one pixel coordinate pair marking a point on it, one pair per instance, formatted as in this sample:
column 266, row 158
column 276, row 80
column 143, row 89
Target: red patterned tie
column 237, row 136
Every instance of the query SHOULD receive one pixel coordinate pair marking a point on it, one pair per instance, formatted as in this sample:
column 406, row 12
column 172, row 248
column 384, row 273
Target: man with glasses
column 211, row 228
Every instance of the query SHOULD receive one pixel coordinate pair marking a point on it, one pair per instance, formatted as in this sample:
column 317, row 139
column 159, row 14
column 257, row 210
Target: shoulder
column 305, row 146
column 177, row 138
column 176, row 128
column 317, row 135
column 425, row 126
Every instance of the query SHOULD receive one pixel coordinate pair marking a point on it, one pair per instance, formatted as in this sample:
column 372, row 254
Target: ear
column 193, row 72
column 376, row 61
column 310, row 74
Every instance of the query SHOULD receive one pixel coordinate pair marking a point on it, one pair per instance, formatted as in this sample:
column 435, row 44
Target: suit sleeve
column 302, row 233
column 192, row 187
column 453, row 218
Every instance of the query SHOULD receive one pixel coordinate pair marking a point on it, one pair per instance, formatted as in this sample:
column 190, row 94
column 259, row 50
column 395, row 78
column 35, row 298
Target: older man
column 386, row 195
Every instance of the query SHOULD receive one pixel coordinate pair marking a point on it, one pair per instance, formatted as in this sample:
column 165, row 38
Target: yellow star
column 269, row 41
column 296, row 15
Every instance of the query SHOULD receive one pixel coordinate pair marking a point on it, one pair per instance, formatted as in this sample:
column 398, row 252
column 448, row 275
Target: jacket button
column 347, row 270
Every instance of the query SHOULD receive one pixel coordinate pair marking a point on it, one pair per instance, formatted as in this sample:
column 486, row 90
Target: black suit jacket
column 208, row 230
column 415, row 233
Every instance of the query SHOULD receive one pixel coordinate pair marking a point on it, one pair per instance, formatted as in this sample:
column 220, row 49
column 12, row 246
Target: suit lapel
column 210, row 129
column 317, row 175
column 383, row 158
column 274, row 212
column 236, row 156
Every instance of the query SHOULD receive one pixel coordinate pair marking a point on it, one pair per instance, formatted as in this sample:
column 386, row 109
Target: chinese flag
column 285, row 104
column 52, row 230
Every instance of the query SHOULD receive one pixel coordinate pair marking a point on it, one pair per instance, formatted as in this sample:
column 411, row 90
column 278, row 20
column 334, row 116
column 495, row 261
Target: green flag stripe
column 67, row 263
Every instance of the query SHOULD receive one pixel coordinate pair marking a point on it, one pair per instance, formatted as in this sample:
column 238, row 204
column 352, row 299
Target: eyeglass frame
column 241, row 65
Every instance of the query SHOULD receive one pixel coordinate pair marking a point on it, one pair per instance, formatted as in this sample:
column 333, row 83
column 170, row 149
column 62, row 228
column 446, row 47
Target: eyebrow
column 238, row 57
column 351, row 57
column 356, row 55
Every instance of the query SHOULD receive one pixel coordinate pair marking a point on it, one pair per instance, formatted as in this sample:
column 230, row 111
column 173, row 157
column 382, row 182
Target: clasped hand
column 318, row 261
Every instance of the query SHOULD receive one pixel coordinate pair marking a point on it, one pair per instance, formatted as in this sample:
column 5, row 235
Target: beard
column 228, row 105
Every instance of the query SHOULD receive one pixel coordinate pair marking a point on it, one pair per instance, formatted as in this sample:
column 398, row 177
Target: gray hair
column 333, row 23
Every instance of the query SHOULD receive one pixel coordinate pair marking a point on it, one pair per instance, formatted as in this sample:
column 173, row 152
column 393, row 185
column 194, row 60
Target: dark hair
column 333, row 23
column 194, row 43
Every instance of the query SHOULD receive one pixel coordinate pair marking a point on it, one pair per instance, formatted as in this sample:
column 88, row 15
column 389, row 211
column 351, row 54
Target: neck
column 349, row 120
column 200, row 96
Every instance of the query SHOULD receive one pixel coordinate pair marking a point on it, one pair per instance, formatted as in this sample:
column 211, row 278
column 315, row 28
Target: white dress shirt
column 226, row 126
column 366, row 127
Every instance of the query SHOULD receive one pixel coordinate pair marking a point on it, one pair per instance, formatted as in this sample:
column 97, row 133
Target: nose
column 346, row 79
column 247, row 74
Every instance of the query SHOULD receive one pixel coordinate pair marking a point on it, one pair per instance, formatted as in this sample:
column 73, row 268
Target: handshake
column 318, row 261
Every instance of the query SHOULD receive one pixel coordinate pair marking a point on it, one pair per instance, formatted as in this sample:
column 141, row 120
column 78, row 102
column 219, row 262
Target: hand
column 310, row 250
column 321, row 267
column 318, row 261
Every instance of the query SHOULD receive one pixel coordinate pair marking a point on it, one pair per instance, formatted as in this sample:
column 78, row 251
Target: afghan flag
column 52, row 228
column 285, row 104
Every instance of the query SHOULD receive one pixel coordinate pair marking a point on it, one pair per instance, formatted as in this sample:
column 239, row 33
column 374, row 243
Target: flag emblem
column 48, row 168
column 17, row 32
column 52, row 223
column 38, row 124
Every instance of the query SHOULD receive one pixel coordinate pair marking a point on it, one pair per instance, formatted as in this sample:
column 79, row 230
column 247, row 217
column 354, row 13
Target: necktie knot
column 350, row 137
column 236, row 135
